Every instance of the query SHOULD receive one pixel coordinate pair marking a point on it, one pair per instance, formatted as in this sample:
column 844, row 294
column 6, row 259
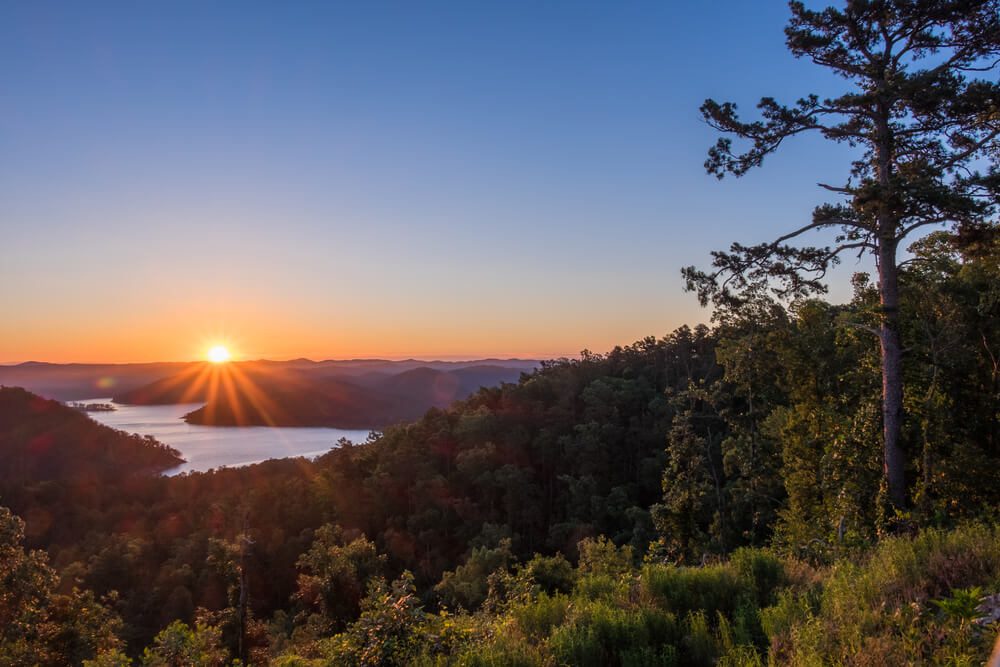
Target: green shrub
column 663, row 656
column 791, row 609
column 600, row 587
column 911, row 601
column 763, row 570
column 601, row 557
column 294, row 661
column 503, row 653
column 502, row 650
column 537, row 618
column 712, row 589
column 111, row 658
column 600, row 635
column 468, row 585
column 699, row 644
column 552, row 574
column 741, row 656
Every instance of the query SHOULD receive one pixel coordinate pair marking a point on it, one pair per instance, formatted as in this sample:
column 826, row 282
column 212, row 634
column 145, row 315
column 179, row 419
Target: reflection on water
column 207, row 447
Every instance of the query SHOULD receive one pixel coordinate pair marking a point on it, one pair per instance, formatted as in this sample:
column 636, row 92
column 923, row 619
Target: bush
column 503, row 651
column 552, row 574
column 712, row 589
column 699, row 644
column 601, row 587
column 601, row 557
column 764, row 571
column 602, row 635
column 468, row 585
column 537, row 618
column 912, row 601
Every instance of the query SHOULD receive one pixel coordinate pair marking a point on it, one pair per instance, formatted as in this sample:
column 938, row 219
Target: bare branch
column 830, row 222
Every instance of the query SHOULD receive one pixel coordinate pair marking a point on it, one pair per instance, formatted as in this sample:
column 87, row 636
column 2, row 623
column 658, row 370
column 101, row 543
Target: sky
column 378, row 179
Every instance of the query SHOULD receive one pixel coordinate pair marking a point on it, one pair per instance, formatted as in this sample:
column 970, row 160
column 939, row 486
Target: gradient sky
column 327, row 179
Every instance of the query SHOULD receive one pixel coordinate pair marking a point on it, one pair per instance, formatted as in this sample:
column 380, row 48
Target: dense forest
column 688, row 498
column 45, row 440
column 801, row 483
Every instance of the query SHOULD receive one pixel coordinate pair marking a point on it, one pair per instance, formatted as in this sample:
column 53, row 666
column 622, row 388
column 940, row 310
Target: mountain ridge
column 82, row 381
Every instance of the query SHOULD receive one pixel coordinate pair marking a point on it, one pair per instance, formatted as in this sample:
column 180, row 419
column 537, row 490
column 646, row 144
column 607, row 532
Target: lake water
column 207, row 447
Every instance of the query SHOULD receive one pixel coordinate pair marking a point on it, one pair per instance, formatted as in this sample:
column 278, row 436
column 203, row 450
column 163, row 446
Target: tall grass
column 883, row 609
column 910, row 600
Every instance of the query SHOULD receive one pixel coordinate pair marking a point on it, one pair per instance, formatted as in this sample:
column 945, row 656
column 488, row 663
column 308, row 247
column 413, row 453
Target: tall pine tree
column 923, row 107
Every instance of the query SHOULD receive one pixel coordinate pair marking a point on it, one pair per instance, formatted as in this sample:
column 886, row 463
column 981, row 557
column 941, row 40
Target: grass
column 910, row 600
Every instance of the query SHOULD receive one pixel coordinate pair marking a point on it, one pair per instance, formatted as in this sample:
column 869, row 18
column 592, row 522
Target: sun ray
column 190, row 394
column 256, row 397
column 212, row 407
column 232, row 394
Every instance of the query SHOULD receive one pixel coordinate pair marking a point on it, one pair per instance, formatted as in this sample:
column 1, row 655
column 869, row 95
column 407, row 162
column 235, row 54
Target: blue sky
column 377, row 179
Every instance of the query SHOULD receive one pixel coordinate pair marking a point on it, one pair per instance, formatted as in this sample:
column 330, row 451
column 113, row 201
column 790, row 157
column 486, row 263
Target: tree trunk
column 241, row 647
column 892, row 374
column 243, row 604
column 893, row 463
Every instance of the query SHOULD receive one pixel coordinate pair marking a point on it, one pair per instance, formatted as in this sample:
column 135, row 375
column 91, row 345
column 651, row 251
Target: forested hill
column 283, row 394
column 373, row 400
column 575, row 449
column 760, row 432
column 42, row 439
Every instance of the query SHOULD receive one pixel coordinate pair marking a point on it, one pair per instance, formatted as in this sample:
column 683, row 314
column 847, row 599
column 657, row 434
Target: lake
column 207, row 447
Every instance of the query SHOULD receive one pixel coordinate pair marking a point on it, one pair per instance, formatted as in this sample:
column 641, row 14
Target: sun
column 219, row 354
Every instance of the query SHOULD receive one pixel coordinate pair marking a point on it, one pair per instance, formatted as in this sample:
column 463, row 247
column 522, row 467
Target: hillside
column 264, row 400
column 255, row 393
column 42, row 439
column 72, row 382
column 747, row 448
column 438, row 388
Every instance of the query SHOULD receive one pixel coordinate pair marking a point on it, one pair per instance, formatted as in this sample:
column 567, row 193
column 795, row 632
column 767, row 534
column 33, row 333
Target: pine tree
column 923, row 108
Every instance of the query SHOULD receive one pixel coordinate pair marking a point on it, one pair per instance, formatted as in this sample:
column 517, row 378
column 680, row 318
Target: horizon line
column 391, row 359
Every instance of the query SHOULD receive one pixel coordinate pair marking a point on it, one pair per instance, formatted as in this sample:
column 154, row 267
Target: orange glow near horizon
column 167, row 344
column 156, row 330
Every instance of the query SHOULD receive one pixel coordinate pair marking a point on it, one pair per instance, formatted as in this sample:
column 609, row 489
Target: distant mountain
column 268, row 401
column 437, row 388
column 380, row 365
column 265, row 393
column 474, row 377
column 191, row 385
column 74, row 382
column 41, row 439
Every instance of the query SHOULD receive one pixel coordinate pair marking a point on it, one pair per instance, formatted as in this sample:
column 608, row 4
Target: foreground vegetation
column 912, row 600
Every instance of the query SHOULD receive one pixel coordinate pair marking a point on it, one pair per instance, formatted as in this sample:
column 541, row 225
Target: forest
column 802, row 482
column 713, row 494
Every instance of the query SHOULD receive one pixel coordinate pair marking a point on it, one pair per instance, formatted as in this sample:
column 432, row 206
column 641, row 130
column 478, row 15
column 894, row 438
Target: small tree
column 38, row 625
column 925, row 121
column 179, row 645
column 334, row 574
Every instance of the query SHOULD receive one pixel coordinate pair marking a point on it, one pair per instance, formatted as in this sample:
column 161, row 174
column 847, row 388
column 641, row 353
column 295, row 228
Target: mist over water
column 207, row 447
